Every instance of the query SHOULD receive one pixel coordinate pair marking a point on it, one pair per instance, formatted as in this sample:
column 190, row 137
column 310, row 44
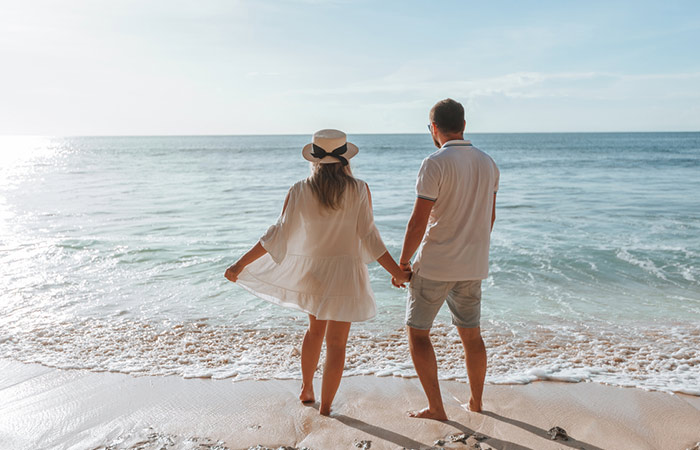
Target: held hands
column 403, row 277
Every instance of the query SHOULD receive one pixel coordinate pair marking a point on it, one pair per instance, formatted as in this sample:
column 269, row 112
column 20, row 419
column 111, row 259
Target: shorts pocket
column 431, row 291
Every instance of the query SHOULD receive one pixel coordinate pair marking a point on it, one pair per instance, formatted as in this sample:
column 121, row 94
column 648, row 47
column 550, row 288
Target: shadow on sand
column 493, row 442
column 409, row 444
column 499, row 444
column 573, row 443
column 379, row 432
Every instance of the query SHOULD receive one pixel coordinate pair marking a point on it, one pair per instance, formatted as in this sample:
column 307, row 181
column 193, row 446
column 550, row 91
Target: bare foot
column 473, row 406
column 307, row 394
column 324, row 410
column 426, row 413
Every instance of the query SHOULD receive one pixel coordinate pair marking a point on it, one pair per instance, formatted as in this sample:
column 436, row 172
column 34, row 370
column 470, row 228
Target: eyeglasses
column 430, row 127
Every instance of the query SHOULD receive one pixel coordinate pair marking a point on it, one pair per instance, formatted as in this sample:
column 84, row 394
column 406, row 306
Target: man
column 452, row 221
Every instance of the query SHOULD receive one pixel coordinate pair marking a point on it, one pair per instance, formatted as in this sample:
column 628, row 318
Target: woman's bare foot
column 325, row 410
column 474, row 406
column 307, row 394
column 426, row 413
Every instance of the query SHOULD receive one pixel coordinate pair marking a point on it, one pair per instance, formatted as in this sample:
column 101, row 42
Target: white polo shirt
column 462, row 180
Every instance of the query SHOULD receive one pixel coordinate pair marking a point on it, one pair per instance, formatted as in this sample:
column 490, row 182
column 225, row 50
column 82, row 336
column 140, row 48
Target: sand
column 42, row 407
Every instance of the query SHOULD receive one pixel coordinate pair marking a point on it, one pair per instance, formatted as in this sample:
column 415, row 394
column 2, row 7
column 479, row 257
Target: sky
column 173, row 67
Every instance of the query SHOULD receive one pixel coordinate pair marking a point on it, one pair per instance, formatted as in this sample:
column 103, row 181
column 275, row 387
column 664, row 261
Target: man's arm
column 415, row 229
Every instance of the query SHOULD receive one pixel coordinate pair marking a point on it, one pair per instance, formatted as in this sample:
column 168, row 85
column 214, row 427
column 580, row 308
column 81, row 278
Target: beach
column 114, row 248
column 119, row 331
column 174, row 245
column 47, row 408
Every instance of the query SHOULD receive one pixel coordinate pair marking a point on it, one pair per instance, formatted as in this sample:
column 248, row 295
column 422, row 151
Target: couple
column 314, row 258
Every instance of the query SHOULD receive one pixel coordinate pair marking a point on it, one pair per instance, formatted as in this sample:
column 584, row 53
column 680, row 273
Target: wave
column 661, row 357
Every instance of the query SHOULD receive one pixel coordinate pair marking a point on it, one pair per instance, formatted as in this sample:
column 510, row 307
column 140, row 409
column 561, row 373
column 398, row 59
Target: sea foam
column 664, row 359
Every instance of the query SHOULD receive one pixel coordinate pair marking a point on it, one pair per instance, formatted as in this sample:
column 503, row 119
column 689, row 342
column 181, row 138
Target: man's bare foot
column 307, row 394
column 426, row 413
column 473, row 406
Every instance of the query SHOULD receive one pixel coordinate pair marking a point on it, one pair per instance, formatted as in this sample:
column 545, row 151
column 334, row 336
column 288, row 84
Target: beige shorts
column 425, row 297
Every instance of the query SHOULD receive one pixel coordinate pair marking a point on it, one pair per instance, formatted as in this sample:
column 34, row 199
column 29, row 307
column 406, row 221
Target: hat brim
column 308, row 148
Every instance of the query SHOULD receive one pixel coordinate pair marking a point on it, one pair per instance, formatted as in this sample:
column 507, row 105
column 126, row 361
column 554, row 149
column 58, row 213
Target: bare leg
column 425, row 363
column 310, row 353
column 336, row 339
column 475, row 357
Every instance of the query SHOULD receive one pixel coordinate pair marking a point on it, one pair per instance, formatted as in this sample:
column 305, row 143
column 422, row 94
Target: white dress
column 316, row 259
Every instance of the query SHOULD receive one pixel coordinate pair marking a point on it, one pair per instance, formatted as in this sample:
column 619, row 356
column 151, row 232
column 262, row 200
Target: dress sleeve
column 275, row 238
column 498, row 176
column 372, row 246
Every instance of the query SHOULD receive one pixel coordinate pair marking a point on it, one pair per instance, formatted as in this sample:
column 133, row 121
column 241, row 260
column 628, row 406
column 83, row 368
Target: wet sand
column 42, row 407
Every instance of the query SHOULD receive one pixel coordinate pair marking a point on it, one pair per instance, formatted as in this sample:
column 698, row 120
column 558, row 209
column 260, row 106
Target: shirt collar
column 456, row 143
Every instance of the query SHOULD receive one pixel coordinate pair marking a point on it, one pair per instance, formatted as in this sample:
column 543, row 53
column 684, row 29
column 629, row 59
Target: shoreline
column 42, row 407
column 662, row 359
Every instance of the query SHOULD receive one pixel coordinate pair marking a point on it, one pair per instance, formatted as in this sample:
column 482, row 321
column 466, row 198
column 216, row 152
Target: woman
column 314, row 259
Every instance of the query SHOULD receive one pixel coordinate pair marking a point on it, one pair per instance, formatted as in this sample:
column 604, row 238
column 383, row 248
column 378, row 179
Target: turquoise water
column 113, row 251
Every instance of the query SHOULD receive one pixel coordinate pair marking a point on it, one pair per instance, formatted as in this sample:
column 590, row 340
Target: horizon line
column 349, row 134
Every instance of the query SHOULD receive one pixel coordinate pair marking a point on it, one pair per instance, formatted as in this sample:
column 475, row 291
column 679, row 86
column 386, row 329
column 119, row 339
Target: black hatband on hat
column 321, row 153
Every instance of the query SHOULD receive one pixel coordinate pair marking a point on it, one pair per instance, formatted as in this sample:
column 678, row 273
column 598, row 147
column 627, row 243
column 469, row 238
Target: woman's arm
column 251, row 255
column 399, row 277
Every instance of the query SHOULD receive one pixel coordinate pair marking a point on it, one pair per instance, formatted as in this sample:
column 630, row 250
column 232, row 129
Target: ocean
column 113, row 251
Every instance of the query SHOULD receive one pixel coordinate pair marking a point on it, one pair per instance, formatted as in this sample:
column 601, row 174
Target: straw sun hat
column 329, row 147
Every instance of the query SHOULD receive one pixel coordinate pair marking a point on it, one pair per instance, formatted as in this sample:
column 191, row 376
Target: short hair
column 448, row 115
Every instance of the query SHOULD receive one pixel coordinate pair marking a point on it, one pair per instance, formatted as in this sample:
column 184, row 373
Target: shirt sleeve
column 428, row 182
column 275, row 238
column 372, row 246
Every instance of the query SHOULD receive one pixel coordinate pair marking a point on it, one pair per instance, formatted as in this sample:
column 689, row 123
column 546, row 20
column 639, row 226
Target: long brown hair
column 329, row 182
